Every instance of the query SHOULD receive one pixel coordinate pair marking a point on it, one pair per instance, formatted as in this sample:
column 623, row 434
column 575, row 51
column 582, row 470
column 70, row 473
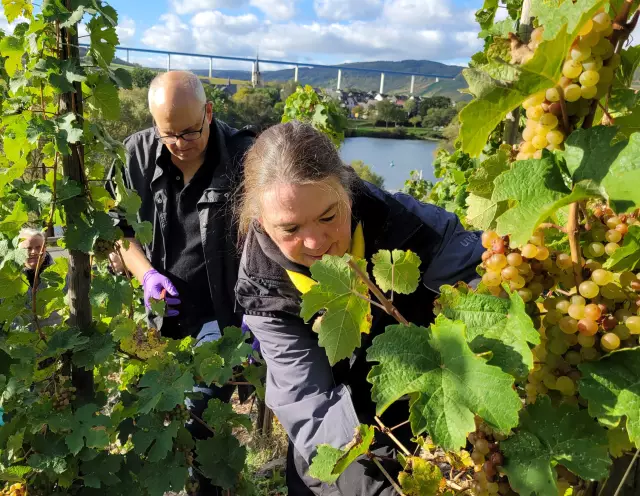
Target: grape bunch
column 487, row 461
column 64, row 393
column 192, row 486
column 102, row 248
column 178, row 414
column 586, row 75
column 18, row 489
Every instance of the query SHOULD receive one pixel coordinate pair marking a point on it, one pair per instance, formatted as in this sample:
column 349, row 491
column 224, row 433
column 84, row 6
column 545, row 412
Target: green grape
column 534, row 113
column 529, row 250
column 588, row 289
column 598, row 233
column 587, row 327
column 492, row 279
column 597, row 249
column 568, row 325
column 601, row 277
column 577, row 300
column 536, row 289
column 573, row 357
column 571, row 339
column 593, row 264
column 565, row 385
column 602, row 47
column 572, row 93
column 524, row 268
column 539, row 142
column 592, row 64
column 549, row 381
column 610, row 248
column 591, row 39
column 590, row 354
column 482, row 446
column 555, row 137
column 525, row 294
column 563, row 261
column 626, row 278
column 589, row 78
column 571, row 69
column 550, row 303
column 622, row 314
column 553, row 317
column 633, row 324
column 586, row 341
column 517, row 283
column 578, row 53
column 588, row 92
column 576, row 311
column 622, row 331
column 552, row 94
column 562, row 305
column 613, row 236
column 592, row 312
column 610, row 341
column 614, row 62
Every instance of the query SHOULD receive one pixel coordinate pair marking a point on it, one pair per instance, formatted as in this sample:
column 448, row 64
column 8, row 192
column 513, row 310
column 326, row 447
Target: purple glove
column 153, row 283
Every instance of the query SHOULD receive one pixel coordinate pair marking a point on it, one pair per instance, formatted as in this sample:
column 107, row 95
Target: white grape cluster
column 586, row 75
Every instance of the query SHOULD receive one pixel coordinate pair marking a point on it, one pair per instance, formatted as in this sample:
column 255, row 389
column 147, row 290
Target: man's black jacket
column 143, row 174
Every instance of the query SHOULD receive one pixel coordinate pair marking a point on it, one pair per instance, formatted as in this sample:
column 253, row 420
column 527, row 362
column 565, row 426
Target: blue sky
column 320, row 31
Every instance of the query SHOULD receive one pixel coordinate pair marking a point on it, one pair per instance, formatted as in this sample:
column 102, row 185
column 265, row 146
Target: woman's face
column 308, row 221
column 33, row 245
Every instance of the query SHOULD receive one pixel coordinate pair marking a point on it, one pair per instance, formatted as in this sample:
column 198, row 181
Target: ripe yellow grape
column 633, row 324
column 539, row 142
column 529, row 250
column 527, row 147
column 577, row 300
column 589, row 78
column 528, row 134
column 553, row 95
column 555, row 137
column 543, row 253
column 601, row 277
column 563, row 261
column 535, row 112
column 592, row 64
column 543, row 130
column 610, row 341
column 491, row 279
column 549, row 120
column 509, row 273
column 601, row 21
column 576, row 311
column 517, row 283
column 588, row 92
column 568, row 325
column 586, row 29
column 534, row 100
column 610, row 248
column 597, row 249
column 538, row 154
column 580, row 53
column 562, row 305
column 571, row 69
column 588, row 289
column 514, row 259
column 488, row 237
column 592, row 311
column 496, row 262
column 587, row 340
column 572, row 93
column 565, row 385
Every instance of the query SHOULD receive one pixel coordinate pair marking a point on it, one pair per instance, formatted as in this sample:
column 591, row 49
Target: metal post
column 413, row 84
column 339, row 78
column 437, row 80
column 295, row 74
column 210, row 68
column 127, row 56
column 382, row 83
column 168, row 62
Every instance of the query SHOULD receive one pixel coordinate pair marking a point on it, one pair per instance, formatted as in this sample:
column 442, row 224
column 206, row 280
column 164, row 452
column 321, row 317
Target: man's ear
column 209, row 110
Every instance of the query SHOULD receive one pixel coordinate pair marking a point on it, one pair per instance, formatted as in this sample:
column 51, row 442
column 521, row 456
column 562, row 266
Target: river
column 406, row 155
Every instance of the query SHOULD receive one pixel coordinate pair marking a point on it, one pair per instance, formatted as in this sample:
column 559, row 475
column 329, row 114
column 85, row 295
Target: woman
column 33, row 242
column 299, row 203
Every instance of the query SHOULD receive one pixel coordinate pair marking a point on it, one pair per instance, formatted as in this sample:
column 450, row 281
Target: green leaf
column 347, row 314
column 629, row 123
column 88, row 428
column 12, row 48
column 104, row 99
column 500, row 87
column 539, row 190
column 627, row 256
column 97, row 351
column 548, row 435
column 222, row 418
column 173, row 475
column 629, row 61
column 612, row 387
column 494, row 324
column 104, row 40
column 162, row 390
column 602, row 169
column 221, row 459
column 11, row 283
column 487, row 13
column 144, row 231
column 110, row 294
column 420, row 478
column 483, row 212
column 101, row 470
column 255, row 376
column 215, row 360
column 12, row 223
column 15, row 473
column 447, row 382
column 401, row 276
column 619, row 442
column 16, row 8
column 482, row 177
column 556, row 15
column 359, row 446
column 152, row 433
column 324, row 462
column 66, row 131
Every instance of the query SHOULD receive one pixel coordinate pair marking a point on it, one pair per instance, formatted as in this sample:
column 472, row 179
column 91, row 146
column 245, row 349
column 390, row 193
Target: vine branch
column 626, row 474
column 388, row 306
column 573, row 230
column 387, row 475
column 384, row 429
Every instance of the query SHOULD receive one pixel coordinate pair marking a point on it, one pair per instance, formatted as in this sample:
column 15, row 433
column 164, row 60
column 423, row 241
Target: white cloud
column 8, row 28
column 172, row 34
column 217, row 22
column 345, row 10
column 126, row 30
column 280, row 10
column 189, row 6
column 416, row 12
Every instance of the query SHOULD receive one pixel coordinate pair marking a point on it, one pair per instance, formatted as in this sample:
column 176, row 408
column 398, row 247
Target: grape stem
column 626, row 474
column 388, row 432
column 565, row 115
column 573, row 230
column 387, row 475
column 548, row 225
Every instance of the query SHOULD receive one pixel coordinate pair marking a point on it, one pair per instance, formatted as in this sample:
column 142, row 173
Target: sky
column 314, row 31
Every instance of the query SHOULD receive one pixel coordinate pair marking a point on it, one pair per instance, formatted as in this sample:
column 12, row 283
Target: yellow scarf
column 304, row 283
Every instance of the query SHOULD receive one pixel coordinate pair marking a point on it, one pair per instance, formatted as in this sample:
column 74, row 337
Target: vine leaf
column 324, row 462
column 619, row 442
column 482, row 212
column 104, row 40
column 101, row 470
column 612, row 387
column 172, row 476
column 500, row 87
column 162, row 390
column 15, row 473
column 152, row 433
column 447, row 381
column 221, row 459
column 86, row 426
column 627, row 257
column 222, row 418
column 602, row 169
column 401, row 275
column 347, row 315
column 548, row 435
column 214, row 360
column 553, row 16
column 359, row 445
column 539, row 190
column 15, row 8
column 494, row 324
column 421, row 477
column 12, row 48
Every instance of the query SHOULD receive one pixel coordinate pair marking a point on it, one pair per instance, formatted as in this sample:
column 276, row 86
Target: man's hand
column 153, row 283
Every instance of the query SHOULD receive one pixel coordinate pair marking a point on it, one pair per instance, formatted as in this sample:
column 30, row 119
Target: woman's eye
column 290, row 230
column 329, row 219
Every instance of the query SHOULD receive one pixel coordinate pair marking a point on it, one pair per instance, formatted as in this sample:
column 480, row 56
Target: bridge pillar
column 382, row 83
column 295, row 74
column 168, row 62
column 437, row 80
column 210, row 68
column 413, row 84
column 127, row 56
column 339, row 78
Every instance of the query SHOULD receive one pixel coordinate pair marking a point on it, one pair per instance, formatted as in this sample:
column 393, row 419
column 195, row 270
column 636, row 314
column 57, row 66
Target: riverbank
column 366, row 129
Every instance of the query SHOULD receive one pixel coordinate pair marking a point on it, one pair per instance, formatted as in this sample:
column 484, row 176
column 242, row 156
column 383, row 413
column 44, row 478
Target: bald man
column 185, row 169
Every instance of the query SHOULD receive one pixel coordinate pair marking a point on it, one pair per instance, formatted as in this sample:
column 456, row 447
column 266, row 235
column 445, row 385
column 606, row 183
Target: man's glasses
column 188, row 136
